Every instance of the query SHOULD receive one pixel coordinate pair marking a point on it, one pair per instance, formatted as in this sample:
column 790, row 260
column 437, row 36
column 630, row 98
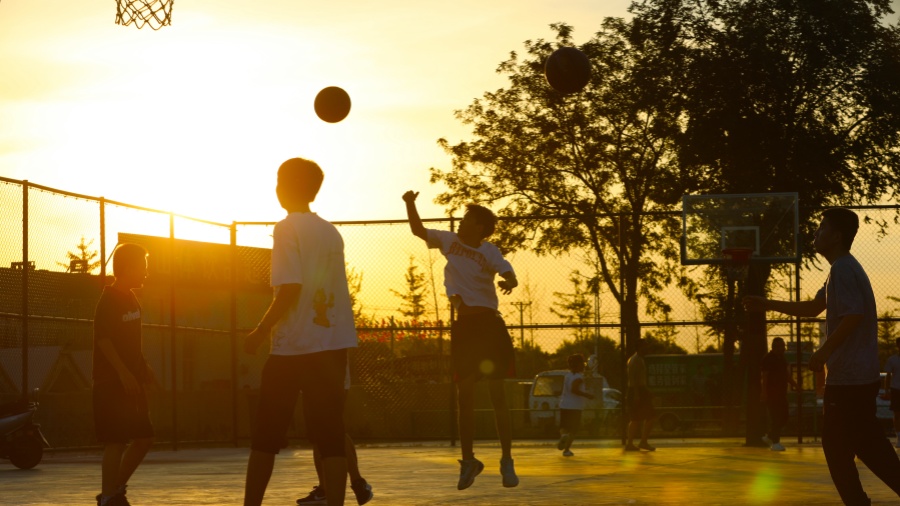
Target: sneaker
column 777, row 447
column 561, row 444
column 468, row 470
column 363, row 491
column 568, row 453
column 316, row 496
column 765, row 439
column 631, row 448
column 646, row 447
column 118, row 499
column 509, row 473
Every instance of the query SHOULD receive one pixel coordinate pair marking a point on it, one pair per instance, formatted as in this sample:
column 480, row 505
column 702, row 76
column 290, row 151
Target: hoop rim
column 737, row 255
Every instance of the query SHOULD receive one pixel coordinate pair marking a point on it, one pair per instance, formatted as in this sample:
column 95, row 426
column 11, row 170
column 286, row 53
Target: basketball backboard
column 767, row 223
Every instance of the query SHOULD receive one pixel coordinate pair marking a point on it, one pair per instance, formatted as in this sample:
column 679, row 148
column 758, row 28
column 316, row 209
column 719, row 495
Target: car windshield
column 548, row 386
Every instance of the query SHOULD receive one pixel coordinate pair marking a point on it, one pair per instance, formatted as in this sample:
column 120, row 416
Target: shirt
column 569, row 400
column 469, row 273
column 309, row 251
column 893, row 366
column 777, row 379
column 117, row 317
column 847, row 291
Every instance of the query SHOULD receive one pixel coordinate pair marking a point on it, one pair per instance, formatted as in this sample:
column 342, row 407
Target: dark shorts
column 640, row 407
column 570, row 419
column 895, row 399
column 320, row 376
column 480, row 346
column 118, row 416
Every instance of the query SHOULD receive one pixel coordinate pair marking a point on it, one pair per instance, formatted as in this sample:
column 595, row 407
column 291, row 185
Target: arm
column 835, row 339
column 286, row 297
column 508, row 282
column 415, row 223
column 128, row 380
column 806, row 308
column 576, row 389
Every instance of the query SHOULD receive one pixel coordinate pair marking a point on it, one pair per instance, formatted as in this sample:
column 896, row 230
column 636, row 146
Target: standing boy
column 120, row 376
column 640, row 401
column 892, row 387
column 311, row 325
column 571, row 404
column 850, row 352
column 480, row 345
column 773, row 394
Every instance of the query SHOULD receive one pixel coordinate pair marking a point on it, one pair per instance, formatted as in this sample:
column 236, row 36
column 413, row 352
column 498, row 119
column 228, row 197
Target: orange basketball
column 332, row 104
column 568, row 70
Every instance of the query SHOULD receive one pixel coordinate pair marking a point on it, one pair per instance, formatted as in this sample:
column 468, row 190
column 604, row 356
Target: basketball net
column 156, row 13
column 737, row 263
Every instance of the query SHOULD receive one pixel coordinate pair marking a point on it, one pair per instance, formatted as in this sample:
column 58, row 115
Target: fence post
column 799, row 351
column 172, row 328
column 234, row 338
column 25, row 269
column 623, row 423
column 454, row 426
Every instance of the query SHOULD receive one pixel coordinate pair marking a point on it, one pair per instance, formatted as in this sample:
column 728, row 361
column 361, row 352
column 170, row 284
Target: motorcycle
column 21, row 440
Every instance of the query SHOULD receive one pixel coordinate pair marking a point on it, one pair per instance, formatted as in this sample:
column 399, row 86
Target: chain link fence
column 209, row 284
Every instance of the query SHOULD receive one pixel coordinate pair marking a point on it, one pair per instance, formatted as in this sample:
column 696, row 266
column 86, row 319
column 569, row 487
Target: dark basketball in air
column 332, row 104
column 568, row 70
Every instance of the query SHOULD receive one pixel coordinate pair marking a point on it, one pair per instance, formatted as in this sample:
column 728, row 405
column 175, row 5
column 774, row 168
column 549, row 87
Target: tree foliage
column 84, row 256
column 414, row 294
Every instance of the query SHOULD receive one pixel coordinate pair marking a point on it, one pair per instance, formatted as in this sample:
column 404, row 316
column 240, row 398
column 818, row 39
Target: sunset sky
column 196, row 117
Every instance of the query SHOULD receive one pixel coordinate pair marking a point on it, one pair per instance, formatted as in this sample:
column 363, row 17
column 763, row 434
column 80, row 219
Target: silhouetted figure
column 773, row 392
column 640, row 401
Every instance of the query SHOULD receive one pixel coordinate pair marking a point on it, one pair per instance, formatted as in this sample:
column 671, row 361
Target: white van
column 543, row 401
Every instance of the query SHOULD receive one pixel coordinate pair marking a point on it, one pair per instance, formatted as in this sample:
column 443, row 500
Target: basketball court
column 699, row 472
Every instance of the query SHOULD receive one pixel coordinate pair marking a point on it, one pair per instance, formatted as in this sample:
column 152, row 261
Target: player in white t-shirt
column 480, row 345
column 892, row 388
column 571, row 404
column 310, row 322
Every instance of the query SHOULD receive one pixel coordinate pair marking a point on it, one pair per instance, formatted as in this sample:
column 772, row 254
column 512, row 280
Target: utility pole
column 521, row 306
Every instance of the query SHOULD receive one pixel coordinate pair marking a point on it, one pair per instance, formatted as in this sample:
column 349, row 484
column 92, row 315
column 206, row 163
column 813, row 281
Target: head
column 836, row 230
column 130, row 265
column 778, row 345
column 640, row 347
column 299, row 181
column 478, row 223
column 576, row 362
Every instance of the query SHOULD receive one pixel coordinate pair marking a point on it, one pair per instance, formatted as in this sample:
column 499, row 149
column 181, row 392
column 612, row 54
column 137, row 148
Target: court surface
column 696, row 472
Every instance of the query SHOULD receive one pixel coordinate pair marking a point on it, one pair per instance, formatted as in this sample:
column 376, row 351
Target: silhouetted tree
column 415, row 293
column 83, row 259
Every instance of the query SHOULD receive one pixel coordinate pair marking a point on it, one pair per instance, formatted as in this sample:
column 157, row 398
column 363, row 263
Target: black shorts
column 640, row 407
column 895, row 399
column 570, row 419
column 321, row 378
column 480, row 346
column 118, row 416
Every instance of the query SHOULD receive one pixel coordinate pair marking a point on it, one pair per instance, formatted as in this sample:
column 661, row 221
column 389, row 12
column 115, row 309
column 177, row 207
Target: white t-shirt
column 470, row 272
column 893, row 366
column 309, row 251
column 568, row 400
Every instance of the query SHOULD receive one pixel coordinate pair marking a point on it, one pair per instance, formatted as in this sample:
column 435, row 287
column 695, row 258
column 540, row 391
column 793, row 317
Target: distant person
column 358, row 484
column 480, row 345
column 850, row 352
column 310, row 321
column 571, row 404
column 892, row 388
column 640, row 401
column 121, row 377
column 773, row 394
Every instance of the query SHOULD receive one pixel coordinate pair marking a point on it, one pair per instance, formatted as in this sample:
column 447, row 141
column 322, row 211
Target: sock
column 105, row 499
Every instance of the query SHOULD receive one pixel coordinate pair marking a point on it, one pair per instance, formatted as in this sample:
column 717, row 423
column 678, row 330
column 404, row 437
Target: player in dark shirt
column 120, row 376
column 775, row 380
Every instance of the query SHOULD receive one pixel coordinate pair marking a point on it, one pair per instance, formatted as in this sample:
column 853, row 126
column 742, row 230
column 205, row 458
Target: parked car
column 543, row 401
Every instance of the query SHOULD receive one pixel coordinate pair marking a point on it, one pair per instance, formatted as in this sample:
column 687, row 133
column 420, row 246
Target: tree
column 354, row 284
column 588, row 172
column 576, row 307
column 82, row 260
column 416, row 291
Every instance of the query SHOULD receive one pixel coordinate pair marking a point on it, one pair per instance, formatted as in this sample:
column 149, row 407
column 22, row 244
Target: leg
column 352, row 461
column 259, row 470
column 335, row 473
column 837, row 436
column 501, row 417
column 110, row 468
column 872, row 447
column 465, row 395
column 132, row 458
column 317, row 462
column 645, row 432
column 633, row 428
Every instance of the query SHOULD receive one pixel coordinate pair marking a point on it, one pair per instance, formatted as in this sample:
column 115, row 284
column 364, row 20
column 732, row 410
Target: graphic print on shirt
column 321, row 304
column 459, row 250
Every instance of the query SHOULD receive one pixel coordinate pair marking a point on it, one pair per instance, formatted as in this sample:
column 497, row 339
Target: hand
column 132, row 387
column 754, row 303
column 254, row 339
column 507, row 285
column 817, row 361
column 410, row 196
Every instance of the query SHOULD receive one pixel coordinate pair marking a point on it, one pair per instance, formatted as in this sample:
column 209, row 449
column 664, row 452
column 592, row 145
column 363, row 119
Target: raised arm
column 508, row 282
column 415, row 222
column 806, row 308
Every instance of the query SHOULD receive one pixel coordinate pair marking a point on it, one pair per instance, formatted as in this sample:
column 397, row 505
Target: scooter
column 21, row 440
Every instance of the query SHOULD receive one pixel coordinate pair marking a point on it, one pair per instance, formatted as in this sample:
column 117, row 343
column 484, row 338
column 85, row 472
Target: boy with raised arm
column 480, row 345
column 850, row 356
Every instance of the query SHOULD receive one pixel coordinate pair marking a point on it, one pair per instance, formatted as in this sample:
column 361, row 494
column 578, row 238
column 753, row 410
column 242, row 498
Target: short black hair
column 127, row 256
column 484, row 216
column 777, row 340
column 844, row 221
column 576, row 358
column 300, row 178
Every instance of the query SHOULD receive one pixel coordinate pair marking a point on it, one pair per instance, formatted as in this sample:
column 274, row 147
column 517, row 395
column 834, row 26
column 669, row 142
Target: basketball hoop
column 736, row 263
column 156, row 13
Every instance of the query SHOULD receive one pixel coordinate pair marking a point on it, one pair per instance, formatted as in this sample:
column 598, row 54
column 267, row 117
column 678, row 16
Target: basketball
column 567, row 70
column 332, row 104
